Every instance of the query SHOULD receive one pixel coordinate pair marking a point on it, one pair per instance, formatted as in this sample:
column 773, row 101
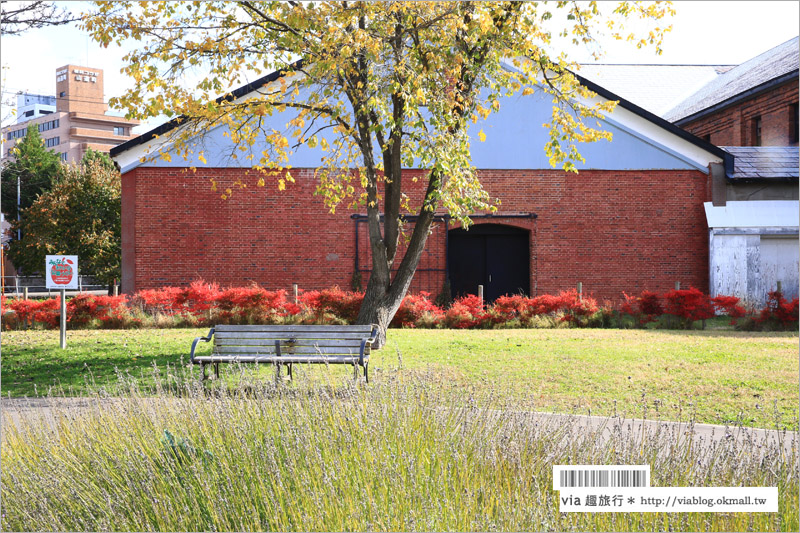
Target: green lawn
column 712, row 376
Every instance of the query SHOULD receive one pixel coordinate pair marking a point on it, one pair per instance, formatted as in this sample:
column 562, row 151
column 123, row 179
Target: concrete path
column 630, row 430
column 706, row 435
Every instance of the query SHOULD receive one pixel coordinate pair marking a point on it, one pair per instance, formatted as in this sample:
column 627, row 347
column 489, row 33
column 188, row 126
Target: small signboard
column 61, row 272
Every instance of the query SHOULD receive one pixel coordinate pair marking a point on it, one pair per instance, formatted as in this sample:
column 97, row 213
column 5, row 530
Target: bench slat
column 310, row 350
column 238, row 341
column 272, row 359
column 287, row 336
column 299, row 329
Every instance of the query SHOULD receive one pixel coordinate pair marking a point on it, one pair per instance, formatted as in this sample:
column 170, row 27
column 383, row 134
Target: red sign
column 62, row 271
column 62, row 274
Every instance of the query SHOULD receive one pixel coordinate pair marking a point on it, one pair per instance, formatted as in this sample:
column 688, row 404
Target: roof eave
column 783, row 179
column 749, row 93
column 177, row 121
column 672, row 128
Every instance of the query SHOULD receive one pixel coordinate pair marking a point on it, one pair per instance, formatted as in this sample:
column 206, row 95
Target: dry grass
column 398, row 455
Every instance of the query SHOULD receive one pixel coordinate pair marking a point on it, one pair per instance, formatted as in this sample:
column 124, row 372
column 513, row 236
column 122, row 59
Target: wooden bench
column 287, row 345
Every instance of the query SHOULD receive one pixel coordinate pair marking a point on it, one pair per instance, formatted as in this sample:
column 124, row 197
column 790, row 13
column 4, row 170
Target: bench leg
column 366, row 372
column 203, row 369
column 216, row 370
column 277, row 373
column 290, row 371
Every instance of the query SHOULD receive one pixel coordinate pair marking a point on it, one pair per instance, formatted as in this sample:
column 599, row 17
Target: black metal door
column 492, row 255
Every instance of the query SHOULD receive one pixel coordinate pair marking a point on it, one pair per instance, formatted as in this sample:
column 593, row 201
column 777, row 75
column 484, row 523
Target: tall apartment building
column 74, row 120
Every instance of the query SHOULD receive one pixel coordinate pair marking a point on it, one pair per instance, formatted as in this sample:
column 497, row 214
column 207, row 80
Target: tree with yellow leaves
column 398, row 84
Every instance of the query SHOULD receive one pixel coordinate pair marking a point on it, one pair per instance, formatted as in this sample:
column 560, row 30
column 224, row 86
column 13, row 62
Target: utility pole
column 19, row 202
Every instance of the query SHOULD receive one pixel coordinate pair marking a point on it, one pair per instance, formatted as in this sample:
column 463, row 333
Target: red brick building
column 634, row 218
column 599, row 227
column 751, row 111
column 752, row 104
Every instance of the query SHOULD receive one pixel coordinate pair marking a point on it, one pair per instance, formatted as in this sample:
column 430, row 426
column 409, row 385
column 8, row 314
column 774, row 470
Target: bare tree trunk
column 384, row 295
column 376, row 309
column 382, row 299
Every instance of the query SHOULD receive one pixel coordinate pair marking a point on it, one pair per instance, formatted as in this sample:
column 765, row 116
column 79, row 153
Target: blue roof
column 765, row 162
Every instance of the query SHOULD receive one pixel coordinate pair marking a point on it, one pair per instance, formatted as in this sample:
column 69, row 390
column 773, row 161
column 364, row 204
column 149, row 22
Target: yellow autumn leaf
column 481, row 136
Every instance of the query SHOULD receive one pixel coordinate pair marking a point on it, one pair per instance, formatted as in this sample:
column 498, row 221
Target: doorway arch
column 493, row 255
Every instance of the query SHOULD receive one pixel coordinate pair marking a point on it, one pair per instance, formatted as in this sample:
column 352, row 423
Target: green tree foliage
column 391, row 84
column 80, row 216
column 35, row 166
column 100, row 157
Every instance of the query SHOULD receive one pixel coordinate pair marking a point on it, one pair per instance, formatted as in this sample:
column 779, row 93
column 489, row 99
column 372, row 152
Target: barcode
column 574, row 476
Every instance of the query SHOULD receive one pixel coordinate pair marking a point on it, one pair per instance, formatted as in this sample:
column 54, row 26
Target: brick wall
column 733, row 125
column 612, row 230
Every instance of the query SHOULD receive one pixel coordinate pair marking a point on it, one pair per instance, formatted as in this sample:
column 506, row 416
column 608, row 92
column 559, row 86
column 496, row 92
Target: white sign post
column 61, row 272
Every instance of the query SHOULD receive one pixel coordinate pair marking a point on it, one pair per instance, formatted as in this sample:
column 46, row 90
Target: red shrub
column 728, row 305
column 466, row 312
column 779, row 310
column 416, row 307
column 544, row 304
column 23, row 310
column 574, row 307
column 507, row 308
column 650, row 305
column 46, row 312
column 196, row 299
column 342, row 304
column 81, row 309
column 158, row 300
column 567, row 302
column 243, row 298
column 690, row 304
column 647, row 306
column 254, row 304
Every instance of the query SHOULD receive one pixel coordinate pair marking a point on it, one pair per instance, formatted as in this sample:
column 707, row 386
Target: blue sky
column 704, row 33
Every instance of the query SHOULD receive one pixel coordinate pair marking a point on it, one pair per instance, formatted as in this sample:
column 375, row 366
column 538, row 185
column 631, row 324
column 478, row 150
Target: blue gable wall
column 515, row 139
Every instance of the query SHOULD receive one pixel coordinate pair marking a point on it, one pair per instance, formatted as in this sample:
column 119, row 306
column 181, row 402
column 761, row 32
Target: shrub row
column 203, row 304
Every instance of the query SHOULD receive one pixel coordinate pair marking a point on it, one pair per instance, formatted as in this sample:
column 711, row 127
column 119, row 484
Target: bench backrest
column 294, row 340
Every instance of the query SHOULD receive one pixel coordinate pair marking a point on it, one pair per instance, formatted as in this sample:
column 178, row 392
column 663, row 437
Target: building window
column 45, row 112
column 17, row 134
column 28, row 113
column 794, row 123
column 64, row 156
column 62, row 94
column 757, row 131
column 50, row 125
column 52, row 141
column 119, row 131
